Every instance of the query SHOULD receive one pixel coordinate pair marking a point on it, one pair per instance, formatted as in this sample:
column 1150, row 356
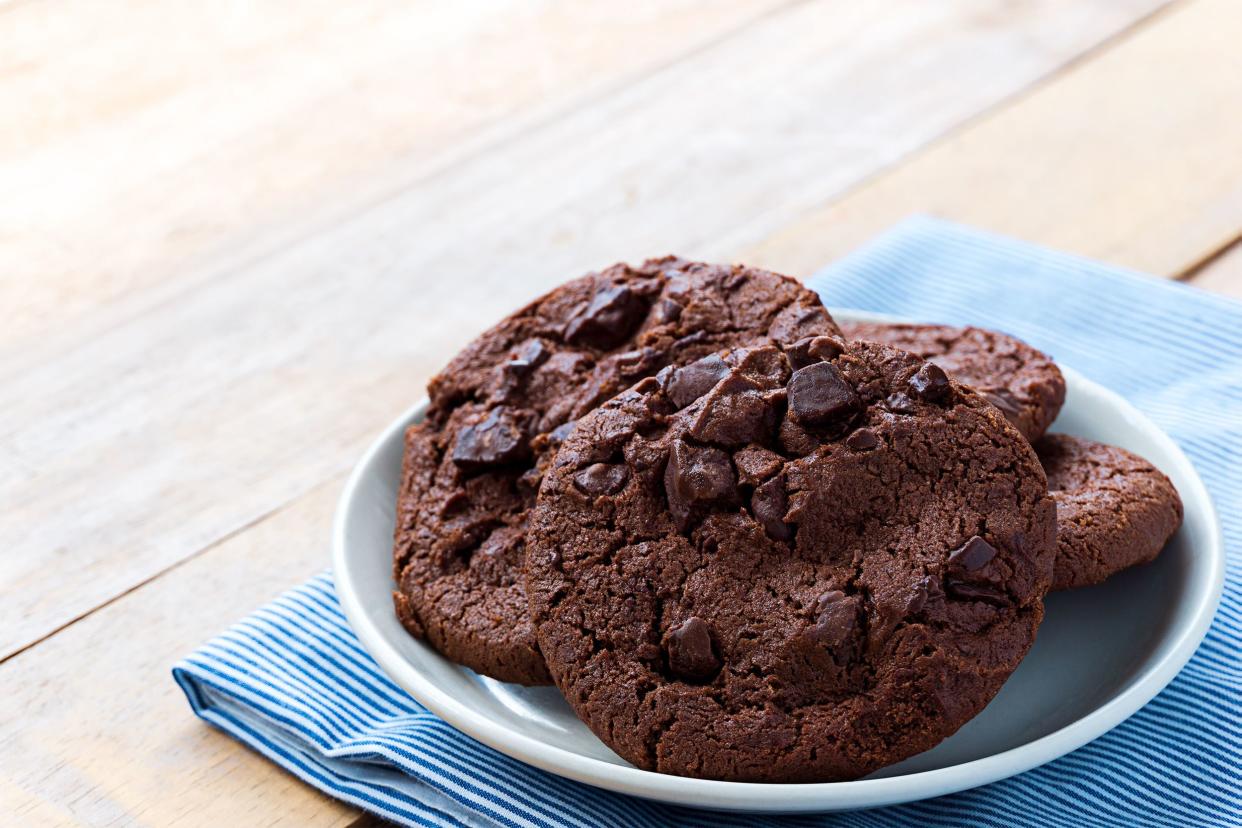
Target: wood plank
column 1134, row 157
column 184, row 419
column 1222, row 274
column 96, row 732
column 144, row 135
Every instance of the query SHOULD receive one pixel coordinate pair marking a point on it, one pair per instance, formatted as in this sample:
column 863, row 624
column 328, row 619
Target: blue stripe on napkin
column 293, row 682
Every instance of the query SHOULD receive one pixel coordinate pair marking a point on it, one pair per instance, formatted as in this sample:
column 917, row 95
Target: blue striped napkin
column 292, row 682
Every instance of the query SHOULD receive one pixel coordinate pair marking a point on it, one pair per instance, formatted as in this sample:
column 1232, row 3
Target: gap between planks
column 157, row 575
column 1216, row 262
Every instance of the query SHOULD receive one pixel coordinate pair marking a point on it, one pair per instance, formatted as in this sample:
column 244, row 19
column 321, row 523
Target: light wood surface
column 146, row 138
column 241, row 240
column 97, row 730
column 265, row 375
column 1132, row 158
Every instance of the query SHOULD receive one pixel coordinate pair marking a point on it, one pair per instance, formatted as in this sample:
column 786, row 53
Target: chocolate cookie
column 501, row 407
column 1025, row 384
column 788, row 565
column 1114, row 509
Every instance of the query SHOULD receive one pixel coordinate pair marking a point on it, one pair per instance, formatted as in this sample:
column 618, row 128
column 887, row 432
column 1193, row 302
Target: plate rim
column 767, row 797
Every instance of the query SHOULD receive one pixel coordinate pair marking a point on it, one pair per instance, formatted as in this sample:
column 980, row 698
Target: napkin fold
column 292, row 681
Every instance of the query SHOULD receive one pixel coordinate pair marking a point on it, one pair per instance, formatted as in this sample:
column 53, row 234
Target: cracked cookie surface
column 1024, row 383
column 788, row 564
column 498, row 411
column 1114, row 509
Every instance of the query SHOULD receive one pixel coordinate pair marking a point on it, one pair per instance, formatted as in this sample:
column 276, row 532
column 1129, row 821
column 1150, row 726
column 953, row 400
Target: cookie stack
column 744, row 543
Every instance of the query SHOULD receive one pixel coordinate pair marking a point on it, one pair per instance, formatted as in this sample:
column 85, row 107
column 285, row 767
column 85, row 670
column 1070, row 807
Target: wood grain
column 141, row 140
column 97, row 733
column 187, row 412
column 1135, row 157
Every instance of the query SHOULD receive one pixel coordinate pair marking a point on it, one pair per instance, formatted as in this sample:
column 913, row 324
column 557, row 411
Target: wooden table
column 236, row 238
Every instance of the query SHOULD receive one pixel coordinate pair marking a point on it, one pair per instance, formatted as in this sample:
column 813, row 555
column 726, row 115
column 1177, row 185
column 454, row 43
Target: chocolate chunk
column 925, row 589
column 522, row 362
column 689, row 339
column 769, row 503
column 678, row 285
column 819, row 394
column 685, row 385
column 498, row 440
column 900, row 403
column 972, row 555
column 812, row 349
column 864, row 439
column 737, row 278
column 696, row 477
column 527, row 357
column 823, row 602
column 559, row 434
column 668, row 311
column 689, row 650
column 837, row 620
column 756, row 464
column 966, row 580
column 608, row 319
column 970, row 591
column 929, row 383
column 530, row 479
column 454, row 504
column 736, row 412
column 601, row 479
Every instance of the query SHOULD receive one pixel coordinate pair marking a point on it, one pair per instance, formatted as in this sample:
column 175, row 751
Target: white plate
column 1102, row 652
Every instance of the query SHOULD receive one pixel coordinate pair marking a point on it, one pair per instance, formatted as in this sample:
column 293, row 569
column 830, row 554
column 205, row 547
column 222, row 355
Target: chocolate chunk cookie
column 1025, row 384
column 501, row 407
column 1114, row 509
column 823, row 562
